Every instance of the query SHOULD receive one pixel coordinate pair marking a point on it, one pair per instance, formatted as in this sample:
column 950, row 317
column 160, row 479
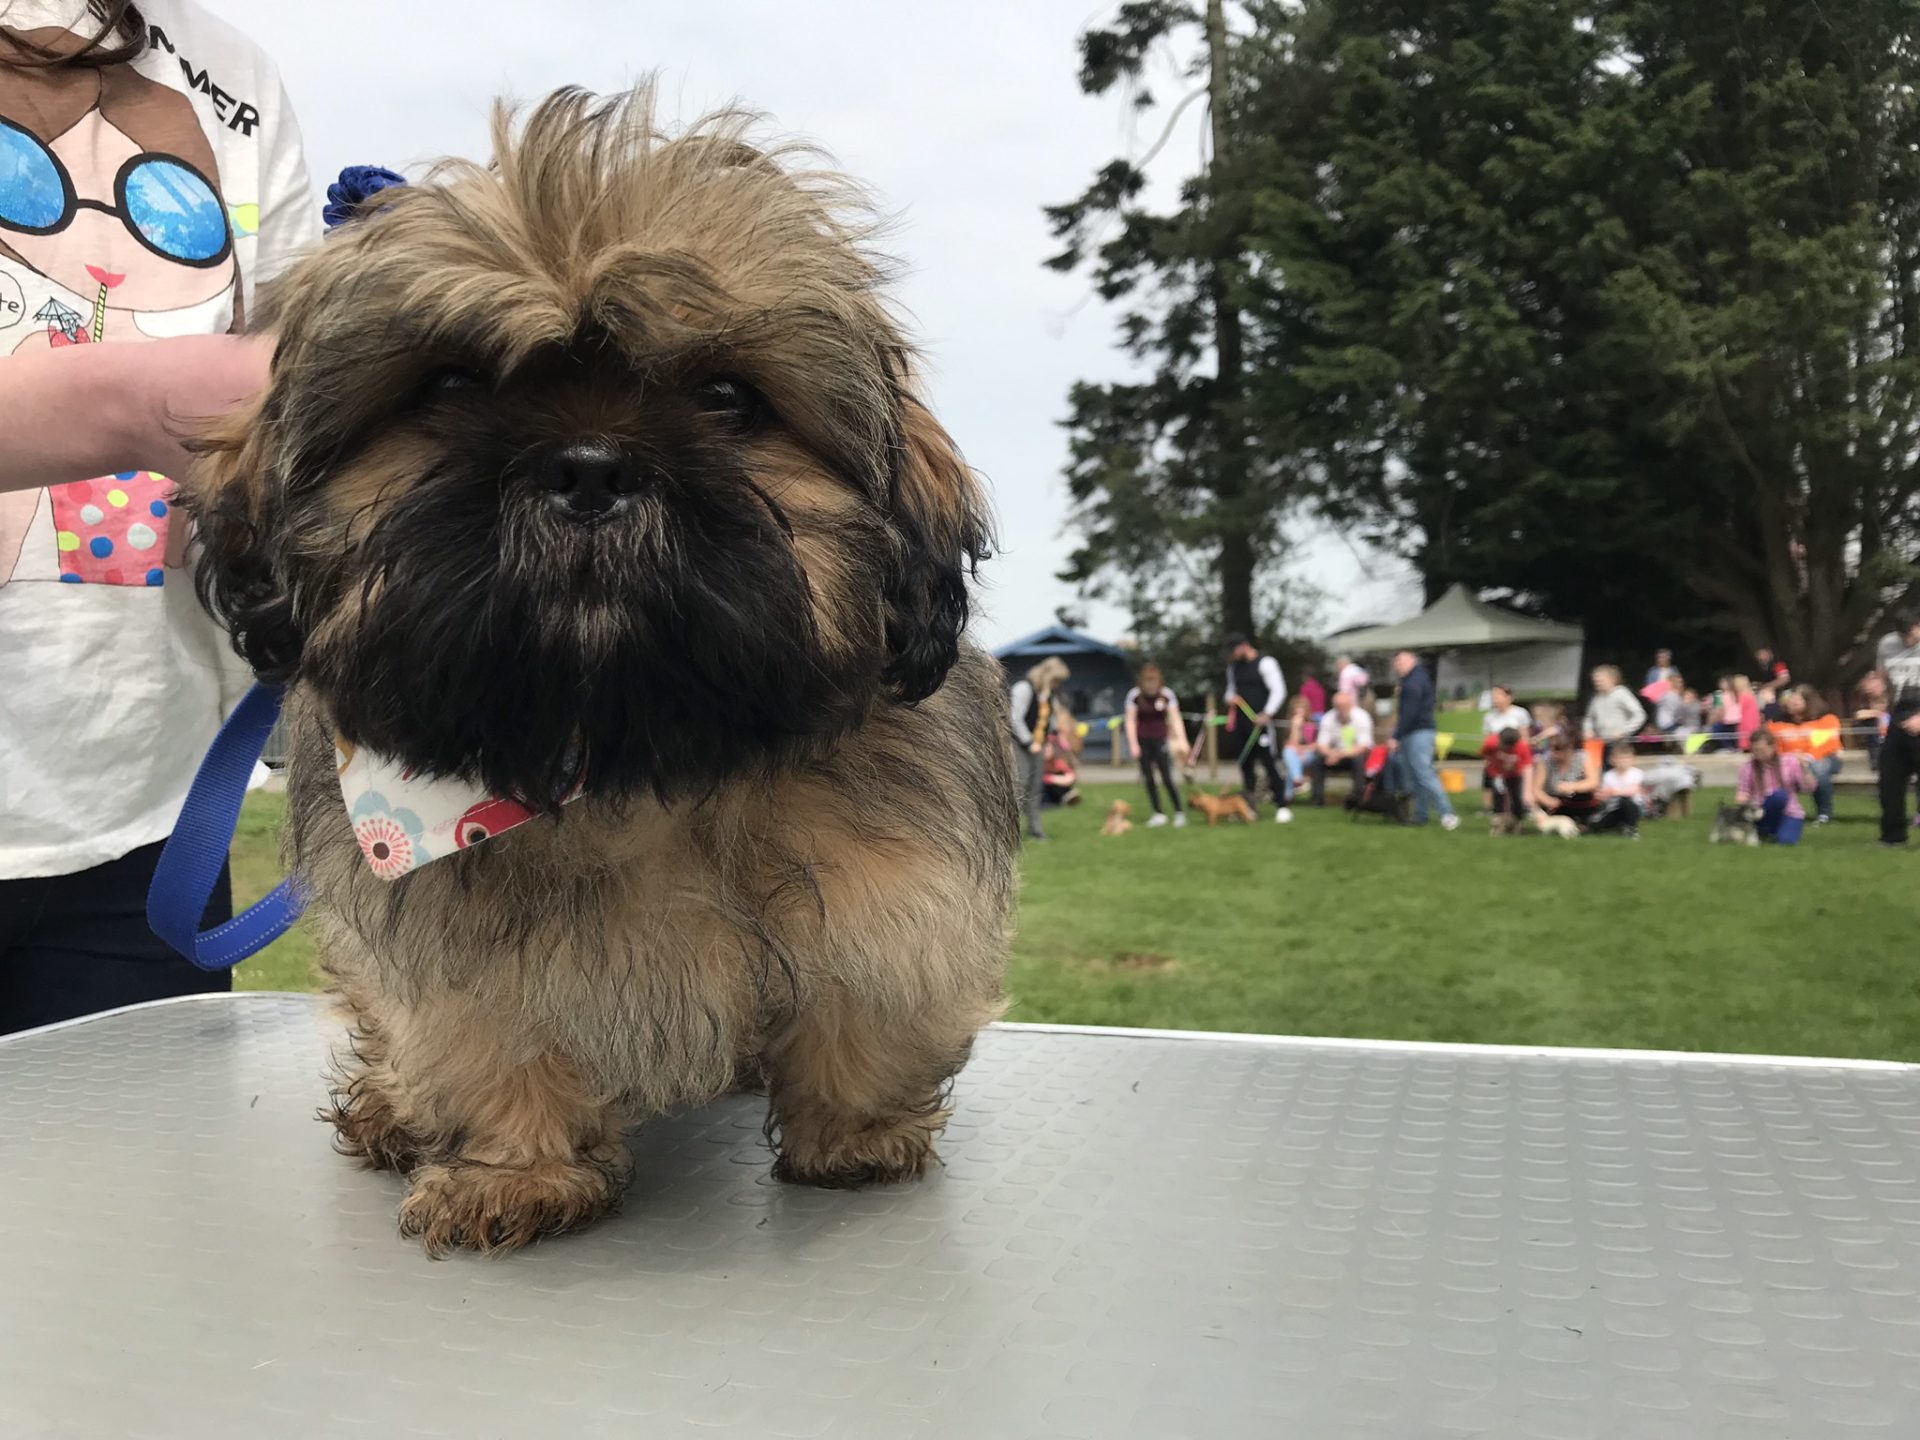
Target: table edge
column 1230, row 1037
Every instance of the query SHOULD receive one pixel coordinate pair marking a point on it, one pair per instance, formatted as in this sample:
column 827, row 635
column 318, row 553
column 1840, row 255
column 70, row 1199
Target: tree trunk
column 1236, row 583
column 1237, row 559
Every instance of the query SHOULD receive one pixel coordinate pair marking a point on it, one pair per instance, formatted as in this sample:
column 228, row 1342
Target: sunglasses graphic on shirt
column 166, row 204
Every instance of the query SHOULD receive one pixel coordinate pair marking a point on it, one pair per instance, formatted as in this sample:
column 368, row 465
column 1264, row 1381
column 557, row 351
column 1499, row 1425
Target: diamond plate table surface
column 1134, row 1235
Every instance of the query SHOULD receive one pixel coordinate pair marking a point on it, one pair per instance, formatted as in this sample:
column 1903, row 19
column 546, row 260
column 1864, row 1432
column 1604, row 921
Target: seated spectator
column 1774, row 782
column 1316, row 696
column 1688, row 711
column 1345, row 737
column 1814, row 742
column 1622, row 794
column 1736, row 712
column 1509, row 762
column 1503, row 714
column 1563, row 780
column 1666, row 708
column 1059, row 781
column 1296, row 734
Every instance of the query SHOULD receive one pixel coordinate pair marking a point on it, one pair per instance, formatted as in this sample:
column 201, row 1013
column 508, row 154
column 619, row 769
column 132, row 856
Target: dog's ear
column 236, row 574
column 941, row 533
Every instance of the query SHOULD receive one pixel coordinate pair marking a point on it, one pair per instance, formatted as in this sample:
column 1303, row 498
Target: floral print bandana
column 403, row 819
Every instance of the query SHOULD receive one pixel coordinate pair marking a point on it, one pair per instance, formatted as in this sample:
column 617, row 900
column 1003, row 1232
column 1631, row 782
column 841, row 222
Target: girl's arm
column 137, row 399
column 1177, row 724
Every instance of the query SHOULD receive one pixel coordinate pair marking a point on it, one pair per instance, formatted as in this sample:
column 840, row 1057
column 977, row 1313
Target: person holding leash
column 1255, row 692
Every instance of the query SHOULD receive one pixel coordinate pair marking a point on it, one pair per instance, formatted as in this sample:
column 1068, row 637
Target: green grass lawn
column 1331, row 927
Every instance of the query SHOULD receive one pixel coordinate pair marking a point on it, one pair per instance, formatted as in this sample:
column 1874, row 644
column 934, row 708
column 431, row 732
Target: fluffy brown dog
column 1227, row 805
column 1117, row 822
column 601, row 470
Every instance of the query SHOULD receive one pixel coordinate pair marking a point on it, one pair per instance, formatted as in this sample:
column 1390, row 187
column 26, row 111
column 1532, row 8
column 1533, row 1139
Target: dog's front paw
column 852, row 1157
column 464, row 1205
column 367, row 1128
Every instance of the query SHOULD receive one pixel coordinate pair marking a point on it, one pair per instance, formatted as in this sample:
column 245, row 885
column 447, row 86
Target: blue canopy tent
column 1102, row 673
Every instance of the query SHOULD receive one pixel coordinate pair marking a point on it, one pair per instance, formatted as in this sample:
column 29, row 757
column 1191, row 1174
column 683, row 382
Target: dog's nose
column 587, row 479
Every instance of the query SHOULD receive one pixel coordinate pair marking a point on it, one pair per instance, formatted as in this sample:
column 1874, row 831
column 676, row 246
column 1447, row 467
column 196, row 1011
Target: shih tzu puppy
column 618, row 575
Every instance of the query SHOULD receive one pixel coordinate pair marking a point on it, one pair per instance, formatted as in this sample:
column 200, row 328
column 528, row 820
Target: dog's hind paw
column 465, row 1205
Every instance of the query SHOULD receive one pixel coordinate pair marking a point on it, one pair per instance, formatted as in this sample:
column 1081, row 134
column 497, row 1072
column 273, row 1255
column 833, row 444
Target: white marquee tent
column 1479, row 643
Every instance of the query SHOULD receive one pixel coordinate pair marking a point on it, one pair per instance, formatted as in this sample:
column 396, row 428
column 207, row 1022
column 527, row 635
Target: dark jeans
column 1619, row 814
column 1257, row 759
column 1504, row 798
column 1320, row 767
column 1155, row 755
column 74, row 944
column 1578, row 808
column 1899, row 763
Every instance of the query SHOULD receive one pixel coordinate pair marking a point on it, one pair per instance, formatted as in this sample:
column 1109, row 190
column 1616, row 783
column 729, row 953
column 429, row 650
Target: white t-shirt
column 195, row 190
column 1630, row 781
column 1514, row 717
column 1901, row 661
column 1353, row 733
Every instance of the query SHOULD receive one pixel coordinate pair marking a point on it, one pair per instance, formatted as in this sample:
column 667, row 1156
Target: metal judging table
column 1136, row 1234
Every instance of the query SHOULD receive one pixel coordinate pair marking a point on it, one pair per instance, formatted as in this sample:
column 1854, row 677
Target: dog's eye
column 453, row 377
column 734, row 403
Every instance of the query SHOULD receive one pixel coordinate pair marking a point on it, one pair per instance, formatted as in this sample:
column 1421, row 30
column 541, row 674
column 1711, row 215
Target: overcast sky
column 963, row 119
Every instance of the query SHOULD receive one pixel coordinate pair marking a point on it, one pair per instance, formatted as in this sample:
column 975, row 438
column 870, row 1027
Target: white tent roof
column 1460, row 621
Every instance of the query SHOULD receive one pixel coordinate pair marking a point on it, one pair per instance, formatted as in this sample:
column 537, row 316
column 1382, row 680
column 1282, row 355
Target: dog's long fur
column 793, row 857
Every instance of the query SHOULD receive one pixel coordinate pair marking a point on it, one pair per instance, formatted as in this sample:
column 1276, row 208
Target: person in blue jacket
column 1412, row 742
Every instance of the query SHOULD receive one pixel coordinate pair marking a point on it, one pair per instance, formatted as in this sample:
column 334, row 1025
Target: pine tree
column 1177, row 511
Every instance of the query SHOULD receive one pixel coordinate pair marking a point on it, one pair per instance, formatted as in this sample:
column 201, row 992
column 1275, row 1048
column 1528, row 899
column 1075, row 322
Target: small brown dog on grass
column 1117, row 822
column 1227, row 805
column 600, row 475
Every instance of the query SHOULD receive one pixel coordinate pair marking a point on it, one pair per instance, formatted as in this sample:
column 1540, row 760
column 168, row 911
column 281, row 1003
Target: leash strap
column 190, row 864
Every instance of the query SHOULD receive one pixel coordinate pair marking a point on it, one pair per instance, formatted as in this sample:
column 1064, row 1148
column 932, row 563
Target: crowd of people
column 1604, row 770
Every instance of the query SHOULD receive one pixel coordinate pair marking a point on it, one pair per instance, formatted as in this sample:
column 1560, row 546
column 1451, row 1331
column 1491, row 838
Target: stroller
column 1373, row 790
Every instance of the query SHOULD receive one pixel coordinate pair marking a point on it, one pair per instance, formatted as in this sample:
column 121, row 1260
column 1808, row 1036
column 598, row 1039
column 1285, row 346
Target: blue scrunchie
column 355, row 184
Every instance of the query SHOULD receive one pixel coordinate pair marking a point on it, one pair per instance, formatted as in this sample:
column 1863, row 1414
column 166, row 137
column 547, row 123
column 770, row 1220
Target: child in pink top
column 1775, row 783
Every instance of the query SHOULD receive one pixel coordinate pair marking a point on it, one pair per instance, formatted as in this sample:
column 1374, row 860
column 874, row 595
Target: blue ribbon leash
column 190, row 864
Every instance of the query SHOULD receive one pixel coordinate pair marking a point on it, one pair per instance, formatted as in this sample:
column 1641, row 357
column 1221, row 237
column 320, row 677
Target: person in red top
column 1509, row 761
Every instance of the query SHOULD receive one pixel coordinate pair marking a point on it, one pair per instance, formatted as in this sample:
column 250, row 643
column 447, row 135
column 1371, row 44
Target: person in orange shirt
column 1815, row 741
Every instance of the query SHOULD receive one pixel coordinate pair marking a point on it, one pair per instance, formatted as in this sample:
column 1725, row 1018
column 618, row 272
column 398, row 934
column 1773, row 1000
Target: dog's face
column 598, row 465
column 1119, row 810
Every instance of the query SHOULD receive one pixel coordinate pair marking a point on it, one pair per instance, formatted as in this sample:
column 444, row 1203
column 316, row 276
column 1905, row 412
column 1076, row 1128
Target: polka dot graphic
column 102, row 525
